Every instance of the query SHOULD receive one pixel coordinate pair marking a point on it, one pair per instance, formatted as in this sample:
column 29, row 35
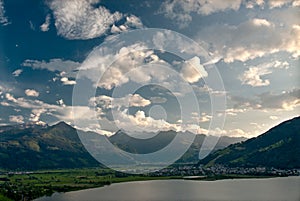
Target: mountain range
column 31, row 147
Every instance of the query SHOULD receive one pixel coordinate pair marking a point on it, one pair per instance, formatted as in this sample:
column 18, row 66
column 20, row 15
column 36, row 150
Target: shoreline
column 37, row 184
column 200, row 178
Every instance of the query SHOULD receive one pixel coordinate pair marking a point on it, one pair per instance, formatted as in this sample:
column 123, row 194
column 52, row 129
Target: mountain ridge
column 33, row 147
column 278, row 147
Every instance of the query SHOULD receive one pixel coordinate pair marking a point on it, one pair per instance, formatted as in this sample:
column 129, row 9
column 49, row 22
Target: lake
column 270, row 189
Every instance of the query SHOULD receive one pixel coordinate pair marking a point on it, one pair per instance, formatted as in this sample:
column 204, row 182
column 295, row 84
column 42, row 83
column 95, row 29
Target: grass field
column 36, row 184
column 40, row 183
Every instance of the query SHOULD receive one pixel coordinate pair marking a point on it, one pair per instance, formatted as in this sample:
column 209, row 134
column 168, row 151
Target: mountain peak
column 62, row 125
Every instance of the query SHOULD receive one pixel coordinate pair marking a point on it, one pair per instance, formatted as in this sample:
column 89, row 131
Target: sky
column 103, row 65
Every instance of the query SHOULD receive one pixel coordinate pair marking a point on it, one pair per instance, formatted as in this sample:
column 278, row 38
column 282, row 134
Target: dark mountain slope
column 35, row 147
column 279, row 147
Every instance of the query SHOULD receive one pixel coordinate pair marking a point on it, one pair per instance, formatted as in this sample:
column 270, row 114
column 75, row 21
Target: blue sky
column 254, row 45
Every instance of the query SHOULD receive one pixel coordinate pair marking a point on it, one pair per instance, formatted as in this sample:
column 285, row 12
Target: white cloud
column 3, row 18
column 85, row 116
column 32, row 92
column 237, row 133
column 180, row 10
column 253, row 76
column 66, row 68
column 261, row 22
column 62, row 112
column 140, row 122
column 132, row 21
column 291, row 105
column 77, row 19
column 45, row 26
column 201, row 118
column 124, row 67
column 66, row 81
column 53, row 65
column 296, row 3
column 284, row 101
column 137, row 100
column 235, row 111
column 192, row 70
column 251, row 39
column 16, row 119
column 280, row 3
column 253, row 3
column 17, row 72
column 36, row 114
column 10, row 97
column 61, row 102
column 131, row 100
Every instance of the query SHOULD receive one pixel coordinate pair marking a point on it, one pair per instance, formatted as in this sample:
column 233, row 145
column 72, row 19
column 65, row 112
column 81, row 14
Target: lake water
column 272, row 189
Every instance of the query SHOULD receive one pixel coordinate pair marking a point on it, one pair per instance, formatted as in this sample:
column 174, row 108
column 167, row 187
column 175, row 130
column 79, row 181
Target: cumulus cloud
column 131, row 100
column 124, row 68
column 65, row 68
column 61, row 102
column 82, row 19
column 10, row 97
column 201, row 118
column 85, row 116
column 66, row 81
column 253, row 76
column 139, row 122
column 32, row 92
column 261, row 22
column 234, row 111
column 3, row 18
column 254, row 38
column 16, row 119
column 53, row 65
column 192, row 70
column 290, row 105
column 36, row 114
column 237, row 133
column 45, row 26
column 61, row 112
column 17, row 72
column 180, row 10
column 270, row 3
column 284, row 101
column 253, row 3
column 280, row 3
column 132, row 21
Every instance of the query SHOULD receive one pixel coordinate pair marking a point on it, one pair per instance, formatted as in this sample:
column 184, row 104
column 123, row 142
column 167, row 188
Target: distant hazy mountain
column 163, row 138
column 36, row 147
column 279, row 147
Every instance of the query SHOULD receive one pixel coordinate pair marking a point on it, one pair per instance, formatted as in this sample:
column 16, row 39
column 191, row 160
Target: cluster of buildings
column 220, row 169
column 189, row 170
